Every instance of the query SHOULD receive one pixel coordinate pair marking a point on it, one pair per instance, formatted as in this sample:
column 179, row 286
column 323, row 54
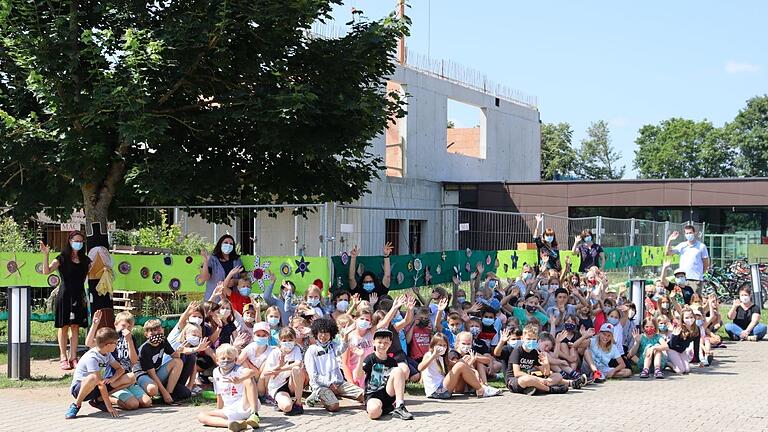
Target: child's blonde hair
column 125, row 316
column 274, row 309
column 226, row 349
column 152, row 324
column 344, row 320
column 531, row 330
column 188, row 328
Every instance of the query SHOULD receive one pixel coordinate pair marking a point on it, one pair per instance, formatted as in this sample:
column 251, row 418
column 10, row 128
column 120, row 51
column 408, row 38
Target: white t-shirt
column 432, row 377
column 273, row 359
column 92, row 361
column 231, row 394
column 255, row 358
column 692, row 259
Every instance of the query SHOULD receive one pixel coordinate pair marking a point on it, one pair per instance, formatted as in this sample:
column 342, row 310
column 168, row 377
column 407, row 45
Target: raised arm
column 387, row 278
column 668, row 246
column 539, row 222
column 48, row 268
column 204, row 273
column 353, row 267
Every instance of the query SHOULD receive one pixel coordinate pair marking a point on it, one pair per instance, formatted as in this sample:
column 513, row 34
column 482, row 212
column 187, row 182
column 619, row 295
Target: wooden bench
column 122, row 300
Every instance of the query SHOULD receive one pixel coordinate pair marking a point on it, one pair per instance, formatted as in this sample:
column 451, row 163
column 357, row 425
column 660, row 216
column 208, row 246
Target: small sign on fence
column 347, row 228
column 464, row 226
column 70, row 226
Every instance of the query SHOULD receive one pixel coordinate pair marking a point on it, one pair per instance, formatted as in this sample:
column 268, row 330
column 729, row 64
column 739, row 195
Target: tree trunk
column 97, row 197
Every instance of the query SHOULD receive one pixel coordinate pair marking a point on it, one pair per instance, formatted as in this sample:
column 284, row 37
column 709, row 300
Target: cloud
column 734, row 67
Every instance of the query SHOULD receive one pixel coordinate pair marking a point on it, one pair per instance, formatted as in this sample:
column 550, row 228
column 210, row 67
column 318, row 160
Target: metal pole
column 632, row 232
column 599, row 232
column 333, row 229
column 295, row 235
column 637, row 297
column 757, row 294
column 324, row 228
column 18, row 332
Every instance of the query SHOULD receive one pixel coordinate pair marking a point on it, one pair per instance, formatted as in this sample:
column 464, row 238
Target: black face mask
column 513, row 301
column 649, row 295
column 423, row 322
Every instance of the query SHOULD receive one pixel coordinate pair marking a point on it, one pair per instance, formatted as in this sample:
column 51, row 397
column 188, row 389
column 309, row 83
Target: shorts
column 145, row 380
column 134, row 391
column 204, row 362
column 413, row 366
column 75, row 390
column 346, row 390
column 284, row 388
column 236, row 413
column 514, row 386
column 387, row 401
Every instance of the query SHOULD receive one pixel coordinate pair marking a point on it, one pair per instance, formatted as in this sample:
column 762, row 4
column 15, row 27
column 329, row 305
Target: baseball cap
column 606, row 327
column 383, row 333
column 261, row 326
column 678, row 271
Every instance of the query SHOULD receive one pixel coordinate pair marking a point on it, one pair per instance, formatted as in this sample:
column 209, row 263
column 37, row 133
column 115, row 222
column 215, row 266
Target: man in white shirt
column 694, row 258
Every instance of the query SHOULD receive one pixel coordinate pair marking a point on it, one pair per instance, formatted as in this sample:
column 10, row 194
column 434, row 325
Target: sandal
column 64, row 364
column 73, row 363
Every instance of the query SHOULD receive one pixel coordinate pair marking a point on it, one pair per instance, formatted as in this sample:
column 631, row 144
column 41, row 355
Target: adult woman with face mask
column 71, row 312
column 369, row 283
column 590, row 252
column 216, row 266
column 546, row 243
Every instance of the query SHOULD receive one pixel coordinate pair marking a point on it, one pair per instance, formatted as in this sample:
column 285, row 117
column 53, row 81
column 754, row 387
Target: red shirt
column 238, row 301
column 419, row 342
column 599, row 320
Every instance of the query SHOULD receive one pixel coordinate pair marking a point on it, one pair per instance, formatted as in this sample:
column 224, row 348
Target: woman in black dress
column 71, row 312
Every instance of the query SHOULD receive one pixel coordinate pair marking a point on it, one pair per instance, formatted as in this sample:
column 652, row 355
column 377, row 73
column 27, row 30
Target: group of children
column 546, row 332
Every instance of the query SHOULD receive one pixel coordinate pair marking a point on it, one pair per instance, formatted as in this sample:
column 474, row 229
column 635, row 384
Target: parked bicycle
column 726, row 283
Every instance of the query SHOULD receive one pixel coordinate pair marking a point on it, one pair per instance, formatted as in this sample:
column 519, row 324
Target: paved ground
column 729, row 396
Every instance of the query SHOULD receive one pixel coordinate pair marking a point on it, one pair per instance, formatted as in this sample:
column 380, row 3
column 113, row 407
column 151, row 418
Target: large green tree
column 598, row 160
column 749, row 132
column 108, row 102
column 558, row 157
column 682, row 148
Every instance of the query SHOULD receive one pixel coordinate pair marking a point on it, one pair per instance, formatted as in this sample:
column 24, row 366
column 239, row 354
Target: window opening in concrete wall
column 394, row 160
column 415, row 236
column 464, row 129
column 392, row 233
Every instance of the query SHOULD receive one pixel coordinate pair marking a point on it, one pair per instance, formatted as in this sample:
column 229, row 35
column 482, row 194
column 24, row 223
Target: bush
column 16, row 238
column 163, row 236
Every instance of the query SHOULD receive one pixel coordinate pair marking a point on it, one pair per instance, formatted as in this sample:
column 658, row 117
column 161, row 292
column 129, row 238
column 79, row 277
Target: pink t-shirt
column 364, row 342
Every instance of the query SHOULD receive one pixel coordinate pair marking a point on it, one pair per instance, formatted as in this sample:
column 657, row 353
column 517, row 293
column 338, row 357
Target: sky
column 629, row 63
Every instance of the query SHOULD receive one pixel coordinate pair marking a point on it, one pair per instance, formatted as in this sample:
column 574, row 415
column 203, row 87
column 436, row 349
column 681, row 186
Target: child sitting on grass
column 90, row 383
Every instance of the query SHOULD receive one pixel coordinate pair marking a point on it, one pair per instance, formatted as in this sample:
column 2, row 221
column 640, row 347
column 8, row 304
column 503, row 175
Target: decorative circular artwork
column 39, row 268
column 410, row 266
column 468, row 268
column 188, row 260
column 417, row 264
column 488, row 260
column 53, row 281
column 439, row 269
column 174, row 284
column 285, row 269
column 12, row 267
column 302, row 266
column 167, row 260
column 344, row 258
column 400, row 277
column 124, row 267
column 144, row 272
column 469, row 252
column 258, row 273
column 157, row 277
column 199, row 281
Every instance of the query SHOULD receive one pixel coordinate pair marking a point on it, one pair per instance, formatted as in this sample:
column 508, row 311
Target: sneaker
column 579, row 382
column 598, row 377
column 312, row 399
column 574, row 375
column 645, row 373
column 196, row 390
column 253, row 421
column 558, row 389
column 752, row 338
column 489, row 391
column 530, row 391
column 296, row 410
column 237, row 425
column 98, row 404
column 658, row 374
column 72, row 411
column 402, row 413
column 269, row 401
column 445, row 394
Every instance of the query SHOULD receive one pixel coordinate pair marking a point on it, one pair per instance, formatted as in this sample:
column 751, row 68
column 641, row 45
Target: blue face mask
column 244, row 291
column 227, row 248
column 530, row 345
column 699, row 322
column 475, row 331
column 613, row 320
column 662, row 327
column 261, row 340
column 76, row 246
column 313, row 301
column 488, row 321
column 273, row 321
column 690, row 237
column 492, row 283
column 461, row 299
column 588, row 239
column 369, row 286
column 549, row 239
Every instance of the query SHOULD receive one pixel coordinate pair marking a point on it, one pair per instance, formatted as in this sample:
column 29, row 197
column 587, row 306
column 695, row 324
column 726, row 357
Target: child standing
column 89, row 382
column 232, row 384
column 384, row 380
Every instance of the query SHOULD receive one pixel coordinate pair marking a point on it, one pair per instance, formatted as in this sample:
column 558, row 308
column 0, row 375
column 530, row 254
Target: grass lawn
column 36, row 382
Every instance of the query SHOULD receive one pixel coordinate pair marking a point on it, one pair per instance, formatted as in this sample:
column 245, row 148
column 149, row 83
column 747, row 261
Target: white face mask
column 464, row 348
column 196, row 320
column 688, row 321
column 745, row 298
column 287, row 346
column 193, row 340
column 227, row 248
column 440, row 350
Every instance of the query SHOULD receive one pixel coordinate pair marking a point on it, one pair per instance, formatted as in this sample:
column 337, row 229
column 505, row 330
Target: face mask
column 681, row 280
column 244, row 291
column 688, row 321
column 655, row 297
column 549, row 239
column 613, row 320
column 699, row 322
column 369, row 286
column 631, row 314
column 488, row 321
column 456, row 330
column 569, row 326
column 226, row 365
column 606, row 310
column 440, row 350
column 530, row 308
column 227, row 248
column 475, row 331
column 324, row 345
column 223, row 313
column 342, row 305
column 248, row 319
column 261, row 340
column 665, row 305
column 464, row 348
column 313, row 301
column 514, row 343
column 530, row 345
column 423, row 322
column 690, row 237
column 287, row 346
column 461, row 300
column 492, row 283
column 273, row 321
column 156, row 339
column 195, row 320
column 745, row 298
column 193, row 340
column 76, row 246
column 363, row 324
column 575, row 282
column 587, row 239
column 662, row 327
column 650, row 332
column 513, row 300
column 527, row 275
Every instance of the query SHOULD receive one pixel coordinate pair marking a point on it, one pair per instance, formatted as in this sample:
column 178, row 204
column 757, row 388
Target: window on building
column 465, row 129
column 415, row 236
column 392, row 234
column 394, row 159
